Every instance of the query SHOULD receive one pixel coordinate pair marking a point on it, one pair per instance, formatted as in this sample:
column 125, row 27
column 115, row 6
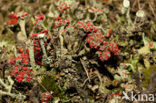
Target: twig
column 82, row 62
column 99, row 76
column 88, row 79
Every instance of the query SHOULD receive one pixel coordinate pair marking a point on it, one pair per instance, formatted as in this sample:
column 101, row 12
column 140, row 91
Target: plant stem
column 31, row 54
column 22, row 26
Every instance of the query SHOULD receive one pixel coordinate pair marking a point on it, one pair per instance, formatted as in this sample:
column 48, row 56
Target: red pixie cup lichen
column 37, row 47
column 39, row 19
column 22, row 14
column 13, row 19
column 96, row 40
column 20, row 70
column 62, row 7
column 45, row 97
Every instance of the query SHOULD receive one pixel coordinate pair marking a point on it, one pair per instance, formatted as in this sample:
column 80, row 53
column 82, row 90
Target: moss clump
column 147, row 75
column 49, row 83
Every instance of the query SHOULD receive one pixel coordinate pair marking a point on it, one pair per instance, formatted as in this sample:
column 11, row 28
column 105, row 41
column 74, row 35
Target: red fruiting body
column 95, row 10
column 59, row 18
column 21, row 73
column 39, row 19
column 20, row 50
column 58, row 22
column 22, row 14
column 100, row 11
column 19, row 78
column 13, row 19
column 62, row 7
column 118, row 95
column 45, row 97
column 96, row 40
column 110, row 31
column 92, row 10
column 24, row 68
column 88, row 27
column 37, row 48
column 151, row 45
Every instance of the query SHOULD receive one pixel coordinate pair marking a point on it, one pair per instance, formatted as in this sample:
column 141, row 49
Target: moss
column 147, row 75
column 79, row 66
column 49, row 83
